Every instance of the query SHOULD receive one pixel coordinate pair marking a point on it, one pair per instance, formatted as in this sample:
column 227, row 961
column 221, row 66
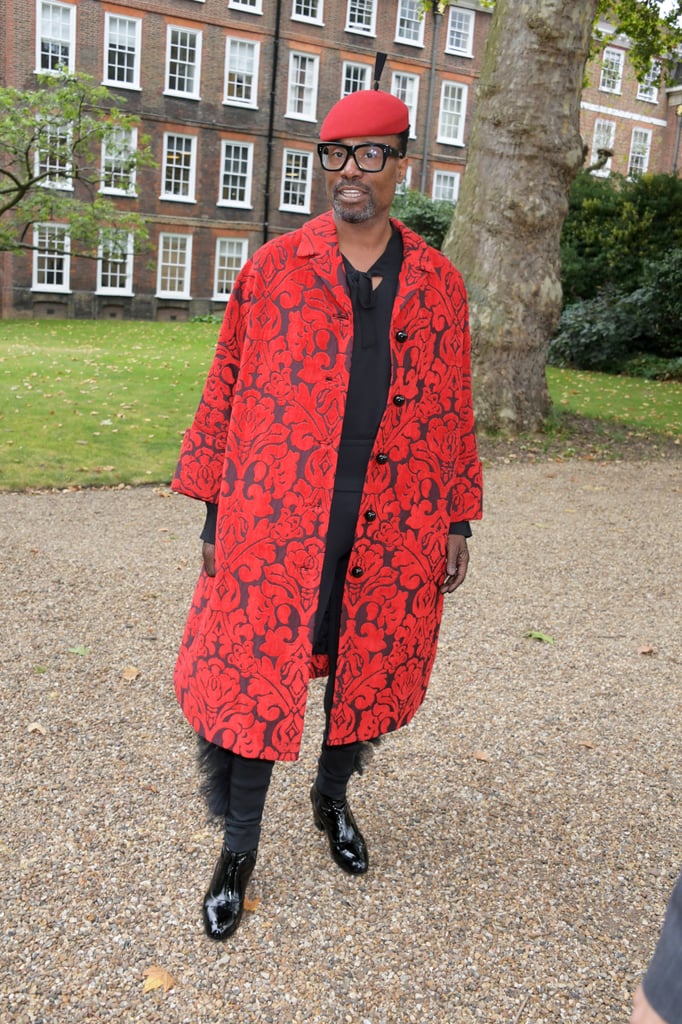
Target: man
column 334, row 447
column 658, row 999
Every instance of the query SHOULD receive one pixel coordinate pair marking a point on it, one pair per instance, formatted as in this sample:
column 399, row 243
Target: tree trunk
column 524, row 151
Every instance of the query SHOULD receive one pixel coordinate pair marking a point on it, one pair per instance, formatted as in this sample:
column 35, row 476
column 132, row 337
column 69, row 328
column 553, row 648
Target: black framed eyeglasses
column 369, row 156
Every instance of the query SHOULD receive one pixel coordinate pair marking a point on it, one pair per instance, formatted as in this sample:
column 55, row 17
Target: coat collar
column 319, row 234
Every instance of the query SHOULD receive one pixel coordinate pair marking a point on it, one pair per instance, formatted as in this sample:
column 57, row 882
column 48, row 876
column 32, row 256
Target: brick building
column 638, row 121
column 232, row 94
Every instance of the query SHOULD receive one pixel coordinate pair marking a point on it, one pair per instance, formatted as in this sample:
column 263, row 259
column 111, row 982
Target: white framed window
column 296, row 181
column 183, row 61
column 236, row 173
column 55, row 36
column 122, row 50
column 640, row 148
column 460, row 34
column 355, row 77
column 52, row 156
column 410, row 21
column 242, row 58
column 230, row 256
column 118, row 178
column 178, row 176
column 252, row 6
column 452, row 113
column 361, row 16
column 115, row 264
column 308, row 10
column 51, row 258
column 302, row 91
column 604, row 137
column 647, row 90
column 611, row 78
column 445, row 186
column 406, row 88
column 174, row 266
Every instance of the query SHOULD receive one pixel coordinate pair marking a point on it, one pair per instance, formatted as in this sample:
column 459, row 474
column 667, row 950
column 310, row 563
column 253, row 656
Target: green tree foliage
column 614, row 227
column 51, row 170
column 430, row 218
column 654, row 35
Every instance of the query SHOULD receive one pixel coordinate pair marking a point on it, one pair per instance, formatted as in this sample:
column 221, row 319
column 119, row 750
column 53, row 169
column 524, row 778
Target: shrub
column 596, row 334
column 430, row 218
column 614, row 225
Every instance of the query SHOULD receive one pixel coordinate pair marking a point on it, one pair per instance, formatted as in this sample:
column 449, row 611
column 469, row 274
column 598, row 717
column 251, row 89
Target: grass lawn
column 87, row 403
column 90, row 403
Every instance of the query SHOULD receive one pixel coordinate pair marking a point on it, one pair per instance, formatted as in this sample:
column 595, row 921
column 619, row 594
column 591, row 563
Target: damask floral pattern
column 264, row 443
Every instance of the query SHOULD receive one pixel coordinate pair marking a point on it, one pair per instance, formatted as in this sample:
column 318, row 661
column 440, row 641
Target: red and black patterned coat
column 264, row 443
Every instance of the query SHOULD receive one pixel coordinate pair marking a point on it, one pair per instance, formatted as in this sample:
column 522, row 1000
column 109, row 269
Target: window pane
column 183, row 59
column 361, row 16
column 296, row 181
column 452, row 113
column 310, row 10
column 115, row 263
column 611, row 70
column 410, row 24
column 235, row 187
column 122, row 50
column 50, row 258
column 240, row 72
column 55, row 35
column 302, row 94
column 178, row 179
column 174, row 264
column 355, row 78
column 230, row 258
column 460, row 31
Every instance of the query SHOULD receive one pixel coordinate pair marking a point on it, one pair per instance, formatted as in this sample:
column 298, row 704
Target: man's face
column 359, row 196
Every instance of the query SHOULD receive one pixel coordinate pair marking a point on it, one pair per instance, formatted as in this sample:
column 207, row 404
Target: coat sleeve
column 198, row 473
column 663, row 979
column 467, row 500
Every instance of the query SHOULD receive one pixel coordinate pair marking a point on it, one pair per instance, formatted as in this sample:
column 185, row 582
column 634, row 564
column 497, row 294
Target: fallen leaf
column 79, row 649
column 157, row 977
column 251, row 904
column 37, row 727
column 544, row 638
column 481, row 755
column 129, row 673
column 646, row 650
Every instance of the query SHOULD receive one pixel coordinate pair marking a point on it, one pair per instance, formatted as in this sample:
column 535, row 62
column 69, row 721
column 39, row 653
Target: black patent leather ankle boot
column 224, row 901
column 346, row 843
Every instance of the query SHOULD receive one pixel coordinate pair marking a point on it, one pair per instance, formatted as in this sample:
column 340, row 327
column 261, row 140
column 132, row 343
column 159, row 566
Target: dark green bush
column 596, row 334
column 639, row 333
column 613, row 227
column 430, row 218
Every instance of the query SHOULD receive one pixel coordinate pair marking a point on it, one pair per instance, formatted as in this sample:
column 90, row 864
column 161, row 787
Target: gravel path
column 524, row 831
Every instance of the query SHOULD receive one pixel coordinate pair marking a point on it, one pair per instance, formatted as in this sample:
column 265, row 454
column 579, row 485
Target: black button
column 399, row 400
column 401, row 335
column 370, row 515
column 356, row 571
column 382, row 458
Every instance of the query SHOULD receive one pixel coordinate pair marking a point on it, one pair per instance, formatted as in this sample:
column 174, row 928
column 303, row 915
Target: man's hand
column 456, row 564
column 642, row 1010
column 208, row 552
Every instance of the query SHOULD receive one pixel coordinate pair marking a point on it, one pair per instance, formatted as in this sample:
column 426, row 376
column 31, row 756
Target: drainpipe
column 437, row 10
column 271, row 123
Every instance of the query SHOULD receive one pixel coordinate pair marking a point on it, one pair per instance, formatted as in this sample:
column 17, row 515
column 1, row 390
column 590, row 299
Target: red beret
column 366, row 114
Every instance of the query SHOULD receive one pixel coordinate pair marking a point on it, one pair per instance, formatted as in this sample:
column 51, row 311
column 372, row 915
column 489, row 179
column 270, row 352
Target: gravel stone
column 523, row 831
